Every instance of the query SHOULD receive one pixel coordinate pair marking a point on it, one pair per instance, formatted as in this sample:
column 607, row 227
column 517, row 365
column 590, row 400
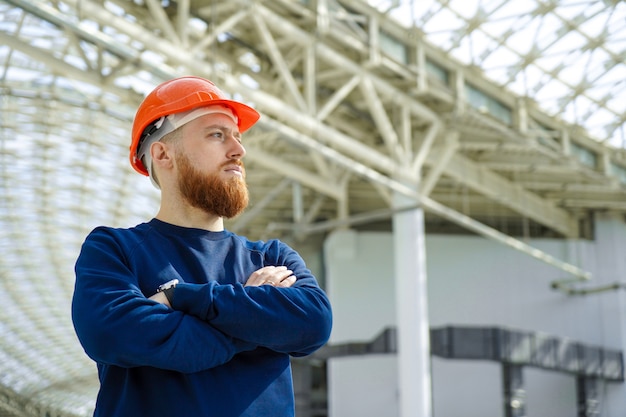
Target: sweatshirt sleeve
column 295, row 320
column 117, row 325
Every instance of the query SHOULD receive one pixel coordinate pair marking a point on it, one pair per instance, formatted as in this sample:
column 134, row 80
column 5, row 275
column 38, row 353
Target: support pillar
column 514, row 392
column 587, row 394
column 414, row 376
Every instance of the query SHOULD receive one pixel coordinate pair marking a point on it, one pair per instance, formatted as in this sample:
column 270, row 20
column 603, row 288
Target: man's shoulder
column 120, row 234
column 137, row 229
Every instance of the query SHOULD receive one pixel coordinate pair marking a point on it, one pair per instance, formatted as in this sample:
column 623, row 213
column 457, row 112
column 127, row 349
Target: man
column 182, row 317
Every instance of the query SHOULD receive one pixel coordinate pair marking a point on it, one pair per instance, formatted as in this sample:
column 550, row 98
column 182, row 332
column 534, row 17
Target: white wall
column 473, row 281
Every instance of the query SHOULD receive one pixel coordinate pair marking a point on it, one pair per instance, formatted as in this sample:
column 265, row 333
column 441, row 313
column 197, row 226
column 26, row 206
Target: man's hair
column 173, row 136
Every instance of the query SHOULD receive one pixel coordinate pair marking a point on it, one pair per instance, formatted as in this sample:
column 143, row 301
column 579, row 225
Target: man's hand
column 160, row 298
column 277, row 276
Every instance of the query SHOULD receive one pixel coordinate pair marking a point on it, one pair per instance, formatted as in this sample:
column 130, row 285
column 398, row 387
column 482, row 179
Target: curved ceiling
column 568, row 55
column 504, row 117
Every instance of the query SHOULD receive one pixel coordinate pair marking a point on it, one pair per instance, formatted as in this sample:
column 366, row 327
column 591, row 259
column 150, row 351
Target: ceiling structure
column 502, row 118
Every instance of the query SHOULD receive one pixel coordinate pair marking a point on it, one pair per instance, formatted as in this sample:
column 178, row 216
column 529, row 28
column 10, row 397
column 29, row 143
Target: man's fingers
column 270, row 275
column 287, row 282
column 266, row 271
column 277, row 277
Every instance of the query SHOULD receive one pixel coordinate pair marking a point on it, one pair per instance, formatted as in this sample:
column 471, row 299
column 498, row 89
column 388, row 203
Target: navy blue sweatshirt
column 222, row 350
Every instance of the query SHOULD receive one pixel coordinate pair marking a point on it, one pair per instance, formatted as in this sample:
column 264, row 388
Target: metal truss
column 355, row 108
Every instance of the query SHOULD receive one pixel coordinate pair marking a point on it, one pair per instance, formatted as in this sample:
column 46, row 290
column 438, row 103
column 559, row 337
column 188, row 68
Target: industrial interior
column 502, row 120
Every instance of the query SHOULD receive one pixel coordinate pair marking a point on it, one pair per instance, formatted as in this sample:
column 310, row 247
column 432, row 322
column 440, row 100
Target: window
column 488, row 104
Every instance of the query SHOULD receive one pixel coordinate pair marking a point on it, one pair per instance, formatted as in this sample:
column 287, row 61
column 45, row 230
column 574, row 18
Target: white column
column 414, row 379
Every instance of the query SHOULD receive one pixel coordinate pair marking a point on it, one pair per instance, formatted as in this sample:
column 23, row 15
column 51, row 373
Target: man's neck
column 187, row 216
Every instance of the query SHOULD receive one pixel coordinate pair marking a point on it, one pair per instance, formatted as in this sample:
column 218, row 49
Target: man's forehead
column 216, row 120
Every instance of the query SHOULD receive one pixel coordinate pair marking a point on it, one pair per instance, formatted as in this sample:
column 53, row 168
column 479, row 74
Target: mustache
column 233, row 162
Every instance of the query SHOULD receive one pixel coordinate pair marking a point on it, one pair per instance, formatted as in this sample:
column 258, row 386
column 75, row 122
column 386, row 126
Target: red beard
column 209, row 192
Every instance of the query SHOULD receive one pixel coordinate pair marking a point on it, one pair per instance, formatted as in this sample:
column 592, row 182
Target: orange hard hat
column 179, row 95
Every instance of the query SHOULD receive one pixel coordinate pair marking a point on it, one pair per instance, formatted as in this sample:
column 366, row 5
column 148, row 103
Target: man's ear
column 162, row 155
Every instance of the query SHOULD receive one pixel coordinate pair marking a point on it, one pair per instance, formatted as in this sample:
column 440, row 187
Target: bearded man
column 182, row 317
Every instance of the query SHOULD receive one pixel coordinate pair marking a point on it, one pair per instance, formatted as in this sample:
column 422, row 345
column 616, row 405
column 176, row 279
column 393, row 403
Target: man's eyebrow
column 220, row 126
column 223, row 128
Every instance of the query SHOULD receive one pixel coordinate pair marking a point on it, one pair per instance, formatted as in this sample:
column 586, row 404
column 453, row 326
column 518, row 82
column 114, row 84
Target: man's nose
column 237, row 150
